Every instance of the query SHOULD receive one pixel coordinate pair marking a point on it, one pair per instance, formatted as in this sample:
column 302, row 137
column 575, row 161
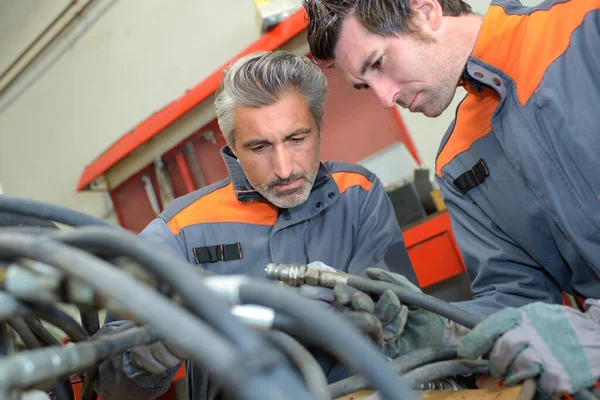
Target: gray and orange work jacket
column 347, row 222
column 519, row 167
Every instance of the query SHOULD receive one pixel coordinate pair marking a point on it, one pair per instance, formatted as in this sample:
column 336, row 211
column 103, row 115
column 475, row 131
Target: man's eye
column 297, row 140
column 377, row 64
column 258, row 149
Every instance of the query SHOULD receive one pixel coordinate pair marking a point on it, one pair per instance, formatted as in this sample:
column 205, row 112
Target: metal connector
column 298, row 274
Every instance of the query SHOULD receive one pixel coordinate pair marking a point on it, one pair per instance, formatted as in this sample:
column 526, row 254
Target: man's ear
column 430, row 12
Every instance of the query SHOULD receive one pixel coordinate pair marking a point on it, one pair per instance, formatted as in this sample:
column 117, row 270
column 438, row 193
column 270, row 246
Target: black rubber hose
column 444, row 369
column 414, row 298
column 335, row 334
column 584, row 394
column 188, row 333
column 180, row 275
column 27, row 336
column 47, row 211
column 41, row 332
column 91, row 323
column 62, row 390
column 309, row 368
column 400, row 365
column 59, row 319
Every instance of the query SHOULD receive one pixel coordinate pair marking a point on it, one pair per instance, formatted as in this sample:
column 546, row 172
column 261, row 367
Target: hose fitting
column 299, row 274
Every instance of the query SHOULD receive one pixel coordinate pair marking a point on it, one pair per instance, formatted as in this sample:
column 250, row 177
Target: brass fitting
column 298, row 274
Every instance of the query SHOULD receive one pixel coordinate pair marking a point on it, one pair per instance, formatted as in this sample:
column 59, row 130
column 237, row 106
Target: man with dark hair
column 517, row 168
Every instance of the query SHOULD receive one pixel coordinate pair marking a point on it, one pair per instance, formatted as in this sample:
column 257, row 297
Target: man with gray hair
column 279, row 204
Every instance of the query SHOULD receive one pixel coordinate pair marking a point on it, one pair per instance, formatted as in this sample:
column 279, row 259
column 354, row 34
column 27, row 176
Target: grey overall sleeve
column 118, row 379
column 379, row 242
column 502, row 274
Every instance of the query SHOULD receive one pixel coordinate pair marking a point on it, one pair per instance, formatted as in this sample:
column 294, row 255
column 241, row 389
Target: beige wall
column 124, row 60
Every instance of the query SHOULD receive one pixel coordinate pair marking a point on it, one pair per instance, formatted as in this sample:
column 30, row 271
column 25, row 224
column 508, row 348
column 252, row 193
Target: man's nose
column 282, row 162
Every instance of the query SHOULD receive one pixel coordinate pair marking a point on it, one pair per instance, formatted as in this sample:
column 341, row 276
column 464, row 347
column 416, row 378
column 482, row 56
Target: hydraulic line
column 332, row 331
column 400, row 365
column 295, row 275
column 584, row 394
column 444, row 369
column 184, row 278
column 47, row 211
column 192, row 336
column 309, row 368
column 60, row 319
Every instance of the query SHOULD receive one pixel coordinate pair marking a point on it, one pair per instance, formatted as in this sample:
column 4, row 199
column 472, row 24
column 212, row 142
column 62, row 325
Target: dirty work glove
column 155, row 358
column 321, row 294
column 405, row 328
column 556, row 344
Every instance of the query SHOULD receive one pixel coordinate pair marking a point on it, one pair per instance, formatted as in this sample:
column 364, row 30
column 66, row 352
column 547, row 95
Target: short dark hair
column 381, row 17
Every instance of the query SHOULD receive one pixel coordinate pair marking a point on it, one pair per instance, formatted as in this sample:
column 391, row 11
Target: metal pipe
column 38, row 38
column 45, row 47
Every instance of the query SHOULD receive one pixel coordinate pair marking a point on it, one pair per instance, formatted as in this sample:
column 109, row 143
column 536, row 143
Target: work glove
column 155, row 358
column 405, row 328
column 558, row 345
column 323, row 295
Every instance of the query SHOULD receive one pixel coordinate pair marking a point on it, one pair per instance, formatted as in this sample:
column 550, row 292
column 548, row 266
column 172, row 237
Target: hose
column 47, row 211
column 301, row 274
column 400, row 365
column 41, row 332
column 191, row 335
column 10, row 307
column 584, row 394
column 333, row 333
column 60, row 319
column 54, row 362
column 444, row 369
column 62, row 390
column 309, row 368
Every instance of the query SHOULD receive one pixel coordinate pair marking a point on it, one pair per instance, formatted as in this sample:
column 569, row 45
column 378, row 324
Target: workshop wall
column 123, row 60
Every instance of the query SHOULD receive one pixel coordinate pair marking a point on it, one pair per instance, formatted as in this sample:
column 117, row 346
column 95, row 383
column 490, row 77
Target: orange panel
column 435, row 260
column 433, row 251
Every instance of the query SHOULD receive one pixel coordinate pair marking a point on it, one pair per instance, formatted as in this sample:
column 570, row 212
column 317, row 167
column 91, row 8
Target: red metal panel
column 433, row 250
column 166, row 116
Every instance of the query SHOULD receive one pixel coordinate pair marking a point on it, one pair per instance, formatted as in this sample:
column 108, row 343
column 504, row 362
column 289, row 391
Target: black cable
column 188, row 333
column 27, row 336
column 38, row 209
column 6, row 342
column 584, row 394
column 422, row 300
column 90, row 321
column 62, row 390
column 41, row 332
column 60, row 319
column 184, row 278
column 400, row 365
column 334, row 334
column 309, row 368
column 444, row 369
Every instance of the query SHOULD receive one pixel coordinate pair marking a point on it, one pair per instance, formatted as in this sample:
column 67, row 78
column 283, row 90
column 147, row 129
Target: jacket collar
column 245, row 192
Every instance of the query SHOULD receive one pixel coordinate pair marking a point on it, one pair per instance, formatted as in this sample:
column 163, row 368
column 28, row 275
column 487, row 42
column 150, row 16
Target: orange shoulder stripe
column 223, row 206
column 345, row 180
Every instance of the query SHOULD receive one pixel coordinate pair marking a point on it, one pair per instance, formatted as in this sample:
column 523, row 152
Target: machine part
column 192, row 335
column 441, row 384
column 444, row 369
column 41, row 332
column 301, row 274
column 209, row 136
column 332, row 332
column 27, row 284
column 25, row 369
column 256, row 317
column 165, row 187
column 191, row 158
column 47, row 211
column 400, row 365
column 151, row 194
column 309, row 368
